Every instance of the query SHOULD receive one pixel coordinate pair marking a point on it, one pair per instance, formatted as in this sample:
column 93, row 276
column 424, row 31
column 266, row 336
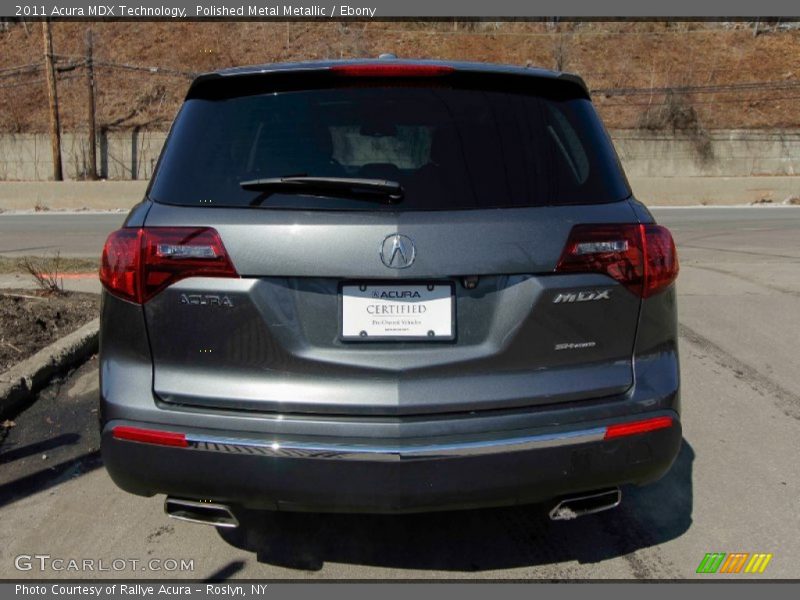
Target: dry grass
column 608, row 54
column 46, row 272
column 10, row 264
column 677, row 115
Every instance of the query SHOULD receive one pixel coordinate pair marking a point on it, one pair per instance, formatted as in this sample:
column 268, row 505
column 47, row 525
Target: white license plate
column 382, row 312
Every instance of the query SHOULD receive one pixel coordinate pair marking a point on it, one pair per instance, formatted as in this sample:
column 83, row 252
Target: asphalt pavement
column 735, row 486
column 72, row 234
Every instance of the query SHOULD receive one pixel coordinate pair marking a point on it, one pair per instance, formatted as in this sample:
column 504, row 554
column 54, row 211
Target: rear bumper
column 358, row 475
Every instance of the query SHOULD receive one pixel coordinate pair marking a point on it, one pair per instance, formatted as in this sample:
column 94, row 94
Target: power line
column 154, row 70
column 21, row 83
column 700, row 102
column 22, row 69
column 34, row 68
column 751, row 86
column 488, row 32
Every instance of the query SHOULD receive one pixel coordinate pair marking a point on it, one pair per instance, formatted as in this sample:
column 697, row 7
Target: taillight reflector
column 150, row 436
column 138, row 263
column 392, row 70
column 634, row 427
column 641, row 257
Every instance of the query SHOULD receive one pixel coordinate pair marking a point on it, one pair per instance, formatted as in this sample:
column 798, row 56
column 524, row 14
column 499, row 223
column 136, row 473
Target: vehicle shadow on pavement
column 65, row 439
column 48, row 477
column 54, row 439
column 474, row 540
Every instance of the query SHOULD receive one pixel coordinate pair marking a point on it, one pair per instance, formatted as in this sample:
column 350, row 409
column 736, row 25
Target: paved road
column 734, row 487
column 71, row 234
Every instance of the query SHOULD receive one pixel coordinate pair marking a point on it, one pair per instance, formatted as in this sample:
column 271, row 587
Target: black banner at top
column 378, row 9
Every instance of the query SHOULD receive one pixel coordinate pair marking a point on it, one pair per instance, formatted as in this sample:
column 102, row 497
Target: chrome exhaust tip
column 586, row 504
column 196, row 511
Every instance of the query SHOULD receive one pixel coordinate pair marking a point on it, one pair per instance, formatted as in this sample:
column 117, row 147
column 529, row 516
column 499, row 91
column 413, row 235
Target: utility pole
column 52, row 95
column 91, row 172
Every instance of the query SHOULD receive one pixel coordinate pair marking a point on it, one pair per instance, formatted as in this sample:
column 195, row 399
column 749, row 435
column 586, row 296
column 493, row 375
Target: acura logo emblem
column 397, row 251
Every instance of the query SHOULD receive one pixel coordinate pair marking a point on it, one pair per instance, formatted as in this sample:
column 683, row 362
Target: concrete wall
column 132, row 155
column 129, row 155
column 729, row 153
column 70, row 195
column 654, row 191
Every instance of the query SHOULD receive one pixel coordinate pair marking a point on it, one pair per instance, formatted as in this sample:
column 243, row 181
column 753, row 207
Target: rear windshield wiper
column 369, row 190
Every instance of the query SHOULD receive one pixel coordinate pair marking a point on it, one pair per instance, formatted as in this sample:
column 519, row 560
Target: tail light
column 120, row 271
column 641, row 257
column 402, row 70
column 138, row 263
column 661, row 259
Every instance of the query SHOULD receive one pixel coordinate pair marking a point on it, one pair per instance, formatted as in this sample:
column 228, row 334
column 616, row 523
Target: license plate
column 385, row 312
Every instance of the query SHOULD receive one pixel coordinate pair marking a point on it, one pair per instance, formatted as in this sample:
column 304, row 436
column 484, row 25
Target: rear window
column 450, row 148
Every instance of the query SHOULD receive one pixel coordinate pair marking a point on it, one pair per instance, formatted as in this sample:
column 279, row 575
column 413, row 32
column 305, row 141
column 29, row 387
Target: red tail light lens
column 641, row 257
column 138, row 263
column 661, row 259
column 150, row 436
column 392, row 70
column 170, row 254
column 625, row 429
column 613, row 250
column 120, row 264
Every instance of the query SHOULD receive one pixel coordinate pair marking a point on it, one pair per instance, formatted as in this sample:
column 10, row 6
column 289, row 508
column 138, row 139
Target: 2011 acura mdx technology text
column 388, row 285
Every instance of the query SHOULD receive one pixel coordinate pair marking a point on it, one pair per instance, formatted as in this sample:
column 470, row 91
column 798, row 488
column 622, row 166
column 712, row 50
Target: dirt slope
column 624, row 59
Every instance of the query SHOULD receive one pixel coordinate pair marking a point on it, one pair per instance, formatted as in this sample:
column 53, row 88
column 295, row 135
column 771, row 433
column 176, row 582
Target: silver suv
column 387, row 285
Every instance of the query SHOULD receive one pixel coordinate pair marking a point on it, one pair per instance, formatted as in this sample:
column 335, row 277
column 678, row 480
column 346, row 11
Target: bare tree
column 560, row 51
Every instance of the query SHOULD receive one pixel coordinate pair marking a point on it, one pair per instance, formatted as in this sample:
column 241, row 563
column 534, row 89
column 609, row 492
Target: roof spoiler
column 334, row 68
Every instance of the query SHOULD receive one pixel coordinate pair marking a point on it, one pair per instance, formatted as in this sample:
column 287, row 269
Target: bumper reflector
column 634, row 427
column 150, row 436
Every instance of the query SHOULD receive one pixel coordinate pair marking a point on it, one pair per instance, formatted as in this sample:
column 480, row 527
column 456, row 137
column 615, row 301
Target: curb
column 23, row 380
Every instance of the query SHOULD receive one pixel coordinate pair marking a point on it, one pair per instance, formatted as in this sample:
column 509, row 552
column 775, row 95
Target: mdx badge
column 582, row 296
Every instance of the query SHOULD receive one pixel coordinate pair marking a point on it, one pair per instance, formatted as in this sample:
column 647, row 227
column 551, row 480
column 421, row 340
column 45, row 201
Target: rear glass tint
column 450, row 148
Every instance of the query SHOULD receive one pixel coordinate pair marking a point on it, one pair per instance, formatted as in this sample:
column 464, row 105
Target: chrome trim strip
column 320, row 450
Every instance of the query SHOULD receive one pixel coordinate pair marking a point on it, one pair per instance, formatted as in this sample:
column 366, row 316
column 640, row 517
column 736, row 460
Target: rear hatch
column 462, row 291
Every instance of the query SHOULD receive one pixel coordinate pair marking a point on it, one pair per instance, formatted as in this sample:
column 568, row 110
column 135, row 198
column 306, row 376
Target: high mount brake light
column 641, row 257
column 392, row 70
column 138, row 263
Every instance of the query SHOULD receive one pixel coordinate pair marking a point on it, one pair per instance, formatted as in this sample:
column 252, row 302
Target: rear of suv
column 379, row 286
